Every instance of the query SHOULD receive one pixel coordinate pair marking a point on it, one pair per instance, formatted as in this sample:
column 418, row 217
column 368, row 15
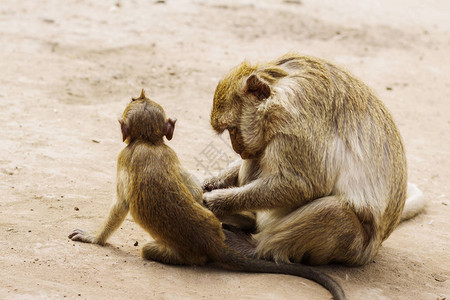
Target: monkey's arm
column 264, row 193
column 192, row 184
column 117, row 214
column 227, row 178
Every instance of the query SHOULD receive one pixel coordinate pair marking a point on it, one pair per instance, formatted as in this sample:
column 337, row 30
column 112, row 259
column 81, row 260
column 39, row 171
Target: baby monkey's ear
column 169, row 127
column 125, row 130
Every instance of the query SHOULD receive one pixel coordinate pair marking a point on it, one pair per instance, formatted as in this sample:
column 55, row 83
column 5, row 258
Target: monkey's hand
column 227, row 178
column 216, row 201
column 212, row 184
column 81, row 236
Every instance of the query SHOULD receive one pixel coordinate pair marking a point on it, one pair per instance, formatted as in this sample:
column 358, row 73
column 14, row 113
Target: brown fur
column 323, row 162
column 163, row 200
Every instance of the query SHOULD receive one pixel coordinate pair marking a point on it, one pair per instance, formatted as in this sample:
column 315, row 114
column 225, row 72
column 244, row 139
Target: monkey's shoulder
column 145, row 152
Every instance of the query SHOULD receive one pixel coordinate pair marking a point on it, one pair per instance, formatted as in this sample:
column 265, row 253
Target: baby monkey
column 162, row 198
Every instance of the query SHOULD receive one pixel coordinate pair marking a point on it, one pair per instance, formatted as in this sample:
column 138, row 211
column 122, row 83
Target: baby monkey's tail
column 231, row 260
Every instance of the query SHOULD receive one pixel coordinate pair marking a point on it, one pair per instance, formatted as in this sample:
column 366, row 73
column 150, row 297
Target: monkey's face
column 237, row 142
column 240, row 106
column 235, row 105
column 227, row 103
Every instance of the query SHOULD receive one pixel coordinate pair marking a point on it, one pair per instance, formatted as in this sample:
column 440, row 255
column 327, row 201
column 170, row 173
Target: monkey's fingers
column 207, row 202
column 75, row 232
column 80, row 236
column 213, row 202
column 207, row 187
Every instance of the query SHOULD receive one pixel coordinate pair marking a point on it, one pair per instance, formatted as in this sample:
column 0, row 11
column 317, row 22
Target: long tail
column 232, row 260
column 414, row 202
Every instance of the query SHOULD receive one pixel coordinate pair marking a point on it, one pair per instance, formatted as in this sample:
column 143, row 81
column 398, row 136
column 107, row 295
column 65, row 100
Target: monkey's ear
column 125, row 130
column 169, row 127
column 258, row 88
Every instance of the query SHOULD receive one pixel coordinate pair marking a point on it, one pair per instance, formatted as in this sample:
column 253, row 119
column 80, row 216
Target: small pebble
column 438, row 277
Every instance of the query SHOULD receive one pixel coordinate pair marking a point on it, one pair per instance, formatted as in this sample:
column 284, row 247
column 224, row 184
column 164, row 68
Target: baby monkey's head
column 144, row 119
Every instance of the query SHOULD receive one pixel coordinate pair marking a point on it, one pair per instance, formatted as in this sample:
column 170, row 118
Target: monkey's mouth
column 237, row 142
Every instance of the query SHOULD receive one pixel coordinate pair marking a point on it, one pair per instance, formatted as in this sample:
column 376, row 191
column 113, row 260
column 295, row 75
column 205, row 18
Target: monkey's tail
column 415, row 202
column 232, row 260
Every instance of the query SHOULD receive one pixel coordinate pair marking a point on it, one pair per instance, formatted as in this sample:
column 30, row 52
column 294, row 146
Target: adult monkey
column 323, row 162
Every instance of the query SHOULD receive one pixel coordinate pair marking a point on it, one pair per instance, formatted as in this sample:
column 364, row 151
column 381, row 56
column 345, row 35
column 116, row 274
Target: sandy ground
column 68, row 70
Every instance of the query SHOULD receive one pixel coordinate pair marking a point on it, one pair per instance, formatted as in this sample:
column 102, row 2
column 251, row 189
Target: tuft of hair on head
column 141, row 96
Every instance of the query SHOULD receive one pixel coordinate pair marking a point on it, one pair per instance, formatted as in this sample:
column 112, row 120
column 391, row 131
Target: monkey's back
column 162, row 204
column 329, row 129
column 359, row 148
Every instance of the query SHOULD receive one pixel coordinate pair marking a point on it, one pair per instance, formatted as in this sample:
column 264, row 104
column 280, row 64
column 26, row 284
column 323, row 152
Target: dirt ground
column 68, row 70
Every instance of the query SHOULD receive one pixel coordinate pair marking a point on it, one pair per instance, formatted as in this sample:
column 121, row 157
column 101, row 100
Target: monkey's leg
column 320, row 232
column 157, row 252
column 245, row 221
column 164, row 254
column 240, row 241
